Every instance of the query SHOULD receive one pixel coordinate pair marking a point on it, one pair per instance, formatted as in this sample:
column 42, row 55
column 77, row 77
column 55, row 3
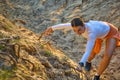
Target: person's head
column 78, row 25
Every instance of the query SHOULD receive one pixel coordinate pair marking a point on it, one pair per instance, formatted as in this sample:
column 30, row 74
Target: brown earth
column 24, row 57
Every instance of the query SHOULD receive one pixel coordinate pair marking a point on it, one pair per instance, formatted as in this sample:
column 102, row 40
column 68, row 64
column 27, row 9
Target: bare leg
column 110, row 47
column 91, row 57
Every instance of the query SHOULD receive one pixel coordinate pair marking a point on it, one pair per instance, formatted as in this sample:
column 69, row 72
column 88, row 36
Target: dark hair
column 77, row 22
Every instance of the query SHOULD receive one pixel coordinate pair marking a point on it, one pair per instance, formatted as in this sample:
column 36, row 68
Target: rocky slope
column 23, row 56
column 40, row 14
column 37, row 15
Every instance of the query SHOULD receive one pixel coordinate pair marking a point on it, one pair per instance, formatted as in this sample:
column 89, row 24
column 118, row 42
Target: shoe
column 96, row 78
column 87, row 66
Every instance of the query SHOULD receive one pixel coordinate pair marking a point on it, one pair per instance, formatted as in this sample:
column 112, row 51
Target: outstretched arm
column 65, row 27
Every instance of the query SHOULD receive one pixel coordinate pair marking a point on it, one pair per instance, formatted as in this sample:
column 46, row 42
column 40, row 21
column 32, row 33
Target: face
column 79, row 29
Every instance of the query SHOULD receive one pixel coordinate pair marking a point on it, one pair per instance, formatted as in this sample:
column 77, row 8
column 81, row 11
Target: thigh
column 110, row 46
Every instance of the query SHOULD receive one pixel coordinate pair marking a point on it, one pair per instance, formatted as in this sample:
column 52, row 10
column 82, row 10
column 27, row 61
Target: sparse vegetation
column 48, row 53
column 5, row 74
column 41, row 46
column 2, row 47
column 65, row 59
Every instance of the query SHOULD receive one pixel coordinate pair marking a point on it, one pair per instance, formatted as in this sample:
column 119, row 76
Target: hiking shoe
column 87, row 66
column 81, row 64
column 96, row 78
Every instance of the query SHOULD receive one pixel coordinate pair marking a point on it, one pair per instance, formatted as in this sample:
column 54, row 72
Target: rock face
column 37, row 15
column 24, row 56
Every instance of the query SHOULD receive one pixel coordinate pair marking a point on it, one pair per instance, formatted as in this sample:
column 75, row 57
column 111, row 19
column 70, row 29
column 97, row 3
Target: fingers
column 79, row 68
column 48, row 31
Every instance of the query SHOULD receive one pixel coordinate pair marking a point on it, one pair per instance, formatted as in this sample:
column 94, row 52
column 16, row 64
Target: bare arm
column 64, row 27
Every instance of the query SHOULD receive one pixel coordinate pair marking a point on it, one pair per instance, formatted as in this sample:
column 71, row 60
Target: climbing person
column 95, row 32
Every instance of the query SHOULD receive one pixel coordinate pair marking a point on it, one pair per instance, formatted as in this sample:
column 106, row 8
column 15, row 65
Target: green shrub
column 5, row 74
column 2, row 47
column 48, row 53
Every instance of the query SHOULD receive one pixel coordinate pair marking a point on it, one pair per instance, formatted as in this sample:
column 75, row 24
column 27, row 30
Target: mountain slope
column 24, row 56
column 37, row 15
